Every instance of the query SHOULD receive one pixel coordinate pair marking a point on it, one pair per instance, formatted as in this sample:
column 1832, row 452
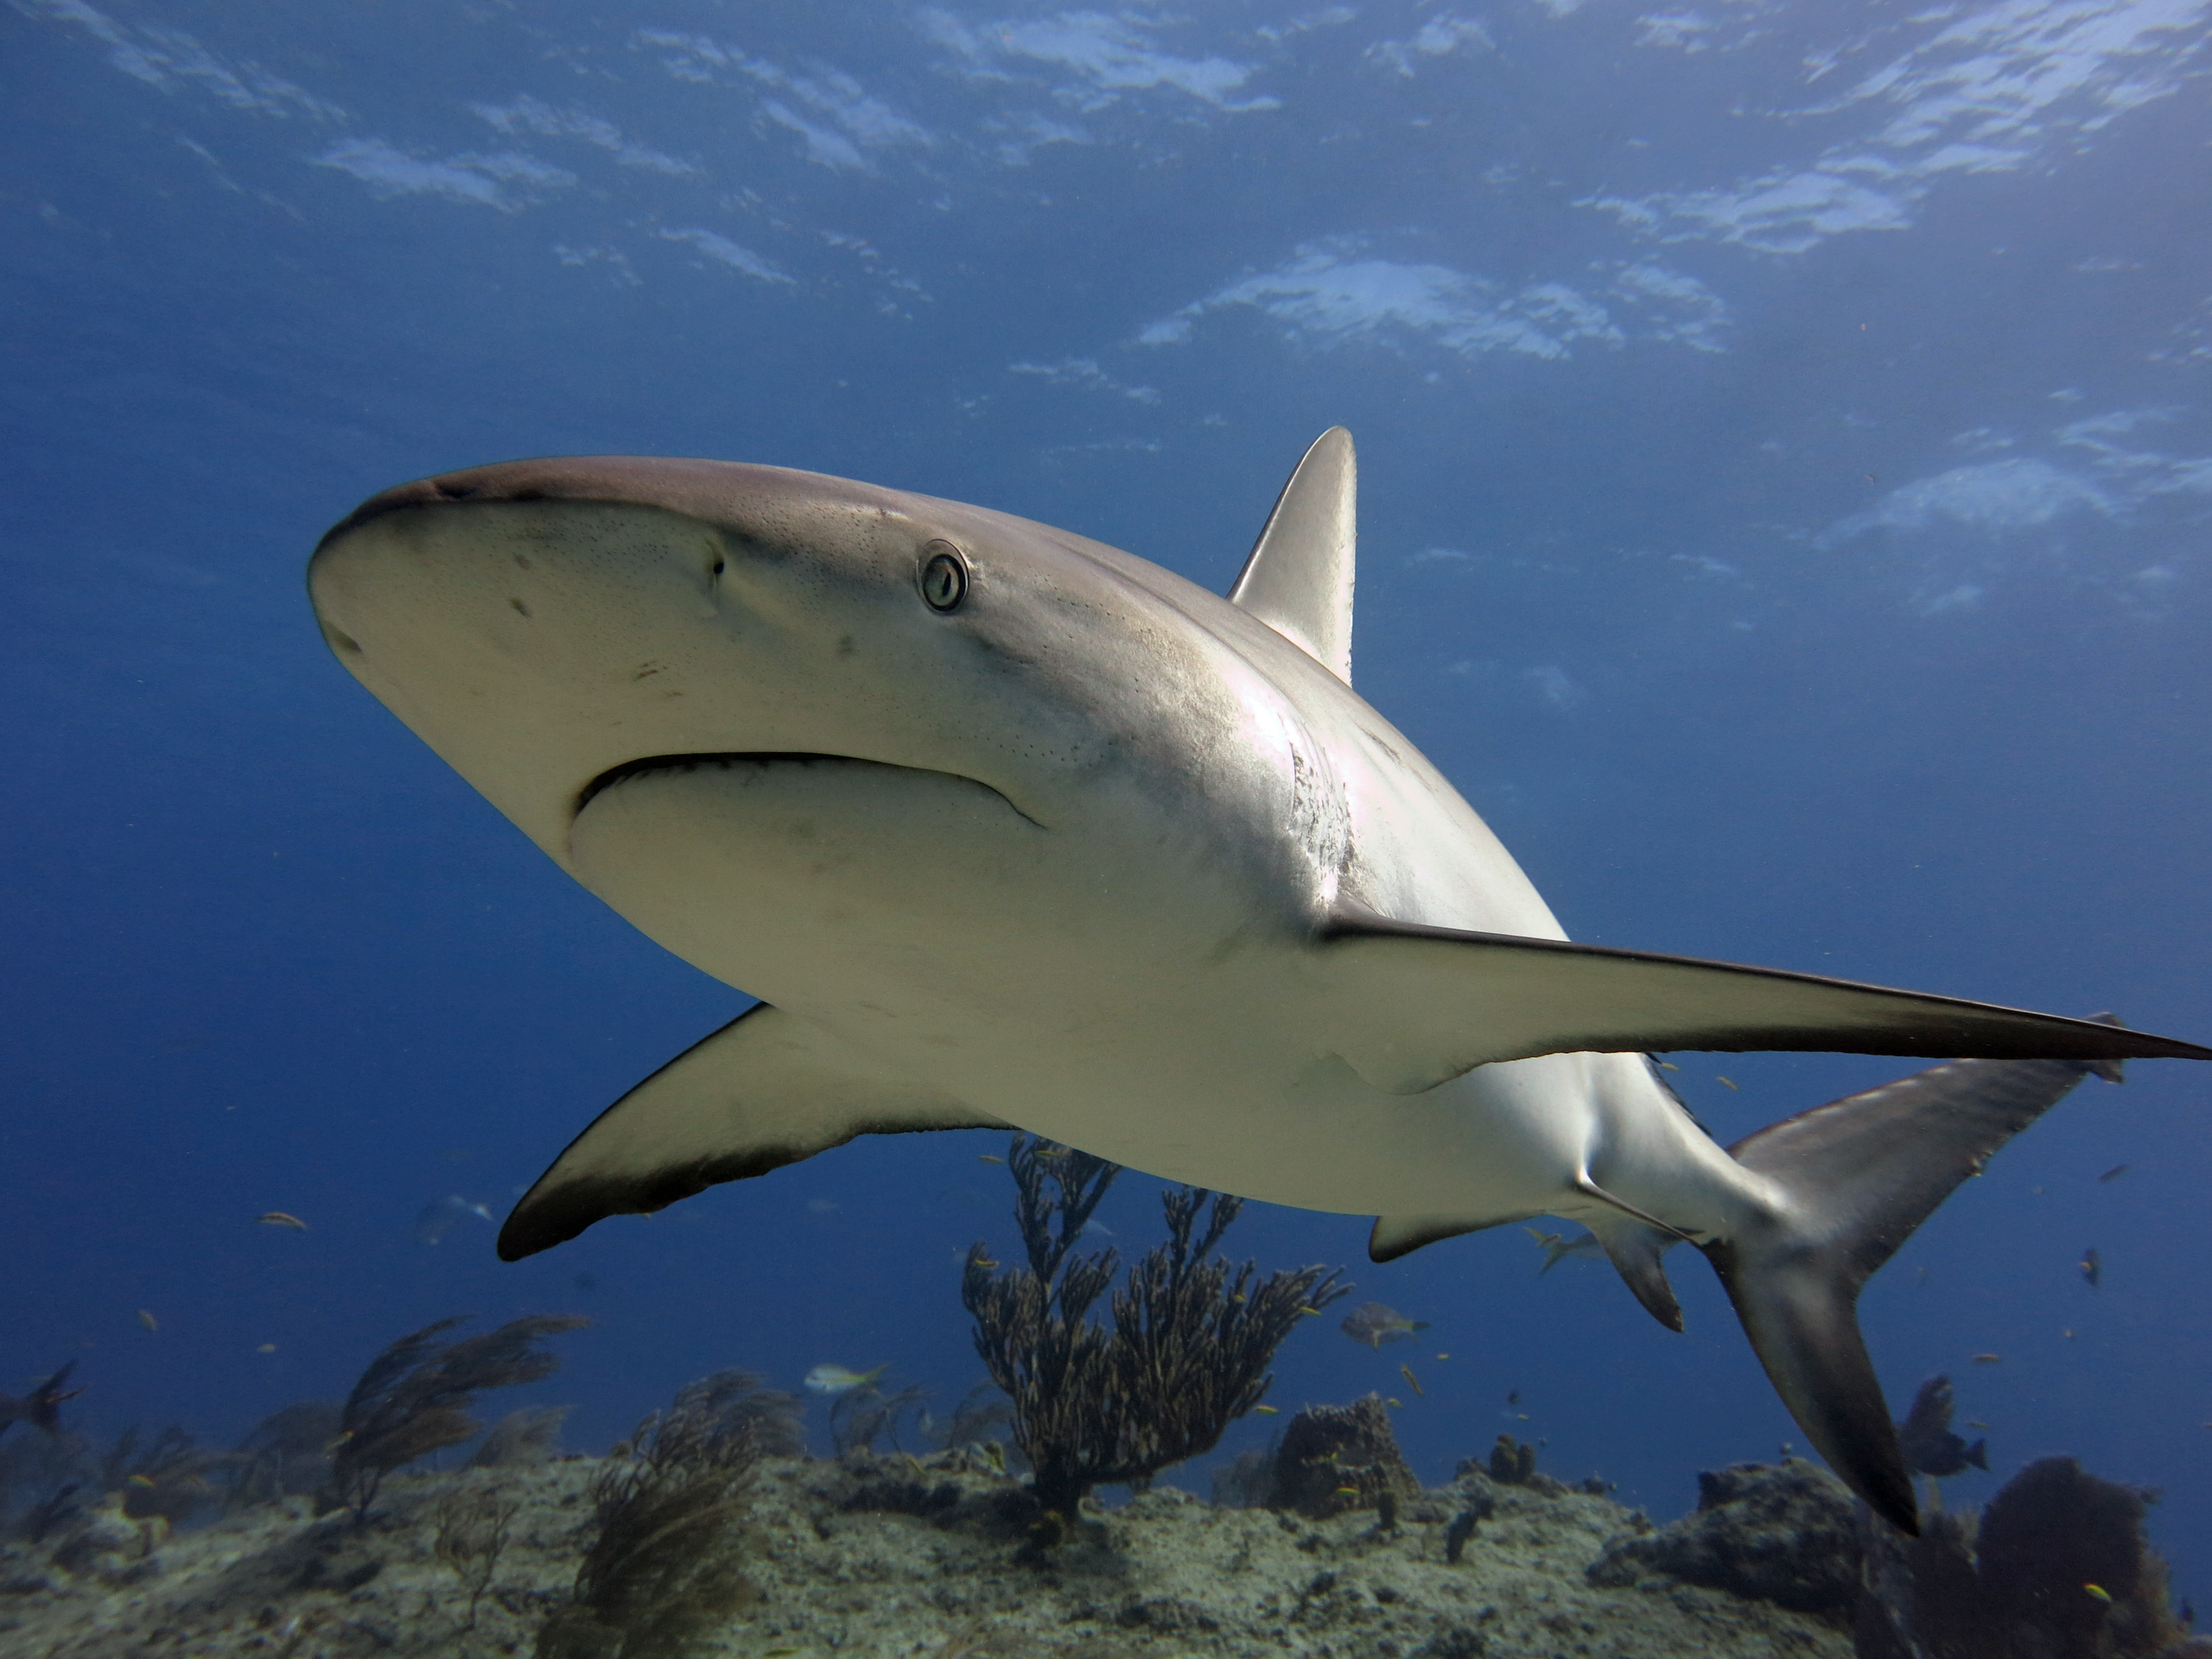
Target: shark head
column 548, row 627
column 679, row 677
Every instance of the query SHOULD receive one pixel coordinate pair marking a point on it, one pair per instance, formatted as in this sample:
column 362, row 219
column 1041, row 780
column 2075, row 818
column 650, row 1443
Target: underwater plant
column 667, row 1568
column 1190, row 1344
column 414, row 1397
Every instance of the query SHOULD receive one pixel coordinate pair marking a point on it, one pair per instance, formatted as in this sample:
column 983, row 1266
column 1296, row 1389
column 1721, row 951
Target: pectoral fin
column 767, row 1090
column 1422, row 1005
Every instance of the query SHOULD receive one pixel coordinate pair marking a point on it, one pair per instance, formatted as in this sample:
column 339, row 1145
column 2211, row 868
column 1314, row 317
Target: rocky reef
column 887, row 1555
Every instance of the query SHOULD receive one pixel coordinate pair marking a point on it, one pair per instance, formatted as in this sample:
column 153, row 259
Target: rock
column 1337, row 1458
column 1784, row 1535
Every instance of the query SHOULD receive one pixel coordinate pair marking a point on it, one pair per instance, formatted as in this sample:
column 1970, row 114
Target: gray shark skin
column 1008, row 827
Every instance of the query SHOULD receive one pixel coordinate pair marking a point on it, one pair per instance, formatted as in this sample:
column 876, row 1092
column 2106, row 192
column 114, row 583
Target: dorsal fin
column 1298, row 579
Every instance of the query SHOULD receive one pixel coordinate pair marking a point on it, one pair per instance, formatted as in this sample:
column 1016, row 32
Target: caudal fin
column 1858, row 1175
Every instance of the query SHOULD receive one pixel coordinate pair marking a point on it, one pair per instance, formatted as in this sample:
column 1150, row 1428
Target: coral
column 473, row 1525
column 414, row 1397
column 662, row 1574
column 1785, row 1534
column 1512, row 1462
column 1246, row 1479
column 981, row 1410
column 1463, row 1525
column 521, row 1437
column 1335, row 1458
column 1189, row 1347
column 2019, row 1581
column 169, row 1479
column 860, row 1416
column 288, row 1452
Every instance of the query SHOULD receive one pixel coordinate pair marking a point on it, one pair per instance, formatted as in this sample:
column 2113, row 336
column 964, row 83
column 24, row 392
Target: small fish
column 1412, row 1381
column 280, row 1219
column 2068, row 1333
column 1666, row 1065
column 1444, row 1356
column 841, row 1379
column 266, row 1347
column 1987, row 1358
column 1976, row 1423
column 149, row 1321
column 982, row 1261
column 1375, row 1323
column 1729, row 1081
column 2098, row 1591
column 2092, row 1269
column 144, row 1483
column 1315, row 1312
column 1557, row 1247
column 1346, row 1492
column 987, row 1157
column 2115, row 1172
column 1925, row 1437
column 1268, row 1411
column 821, row 1206
column 1513, row 1398
column 1394, row 1401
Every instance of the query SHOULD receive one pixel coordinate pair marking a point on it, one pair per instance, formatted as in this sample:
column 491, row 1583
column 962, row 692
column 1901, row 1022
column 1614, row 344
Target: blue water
column 1786, row 479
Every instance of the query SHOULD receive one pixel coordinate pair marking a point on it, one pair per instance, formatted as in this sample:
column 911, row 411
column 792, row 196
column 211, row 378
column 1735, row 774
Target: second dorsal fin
column 1298, row 579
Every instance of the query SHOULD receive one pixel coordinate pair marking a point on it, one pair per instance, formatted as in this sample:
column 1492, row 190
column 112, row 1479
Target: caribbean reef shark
column 1008, row 827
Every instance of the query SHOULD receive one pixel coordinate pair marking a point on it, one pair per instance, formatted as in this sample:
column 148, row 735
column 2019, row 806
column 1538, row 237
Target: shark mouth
column 667, row 765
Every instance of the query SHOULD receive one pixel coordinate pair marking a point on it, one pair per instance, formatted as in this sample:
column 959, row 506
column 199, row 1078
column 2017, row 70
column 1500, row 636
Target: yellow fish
column 146, row 1482
column 1717, row 1077
column 986, row 1157
column 1267, row 1411
column 1412, row 1381
column 282, row 1218
column 2098, row 1591
column 149, row 1321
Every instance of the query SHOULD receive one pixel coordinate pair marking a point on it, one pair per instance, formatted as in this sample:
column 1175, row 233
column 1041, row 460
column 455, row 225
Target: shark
column 1007, row 827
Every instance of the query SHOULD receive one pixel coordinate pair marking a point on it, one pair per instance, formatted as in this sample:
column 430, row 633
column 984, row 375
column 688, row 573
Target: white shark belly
column 1106, row 990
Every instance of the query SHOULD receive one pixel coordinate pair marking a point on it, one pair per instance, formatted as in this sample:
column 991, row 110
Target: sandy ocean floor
column 896, row 1556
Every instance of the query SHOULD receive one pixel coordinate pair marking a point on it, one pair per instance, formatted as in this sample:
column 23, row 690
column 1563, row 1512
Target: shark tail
column 1857, row 1175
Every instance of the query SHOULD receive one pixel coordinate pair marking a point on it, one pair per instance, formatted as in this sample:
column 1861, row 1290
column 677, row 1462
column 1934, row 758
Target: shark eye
column 943, row 576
